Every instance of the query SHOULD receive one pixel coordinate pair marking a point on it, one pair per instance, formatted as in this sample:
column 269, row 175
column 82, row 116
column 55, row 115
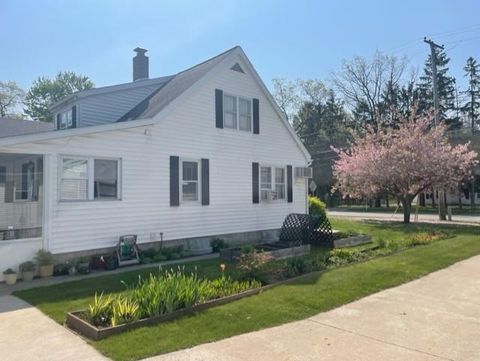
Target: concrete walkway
column 436, row 317
column 26, row 334
column 390, row 216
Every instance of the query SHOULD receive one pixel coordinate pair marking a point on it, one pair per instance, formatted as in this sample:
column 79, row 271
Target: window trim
column 237, row 102
column 69, row 125
column 30, row 188
column 199, row 181
column 90, row 178
column 273, row 168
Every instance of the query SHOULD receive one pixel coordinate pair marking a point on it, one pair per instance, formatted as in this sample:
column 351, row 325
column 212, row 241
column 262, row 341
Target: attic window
column 237, row 67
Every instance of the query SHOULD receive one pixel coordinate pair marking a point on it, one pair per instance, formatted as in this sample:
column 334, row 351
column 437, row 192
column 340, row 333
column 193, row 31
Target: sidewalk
column 436, row 317
column 26, row 334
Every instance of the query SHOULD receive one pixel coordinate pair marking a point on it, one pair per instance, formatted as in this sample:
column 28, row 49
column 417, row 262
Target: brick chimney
column 140, row 64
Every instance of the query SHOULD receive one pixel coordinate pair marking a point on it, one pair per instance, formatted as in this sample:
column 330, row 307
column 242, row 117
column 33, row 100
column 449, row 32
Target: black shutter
column 255, row 183
column 256, row 117
column 205, row 182
column 58, row 121
column 174, row 181
column 219, row 108
column 74, row 116
column 289, row 184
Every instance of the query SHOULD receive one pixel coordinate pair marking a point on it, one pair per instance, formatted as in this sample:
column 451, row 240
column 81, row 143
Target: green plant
column 149, row 253
column 28, row 266
column 316, row 206
column 248, row 248
column 44, row 258
column 217, row 244
column 341, row 256
column 424, row 238
column 9, row 271
column 124, row 310
column 296, row 266
column 382, row 243
column 61, row 269
column 83, row 268
column 252, row 262
column 99, row 313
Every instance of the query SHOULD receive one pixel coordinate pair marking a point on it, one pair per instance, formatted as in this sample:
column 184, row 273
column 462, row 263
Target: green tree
column 11, row 95
column 472, row 107
column 446, row 90
column 45, row 92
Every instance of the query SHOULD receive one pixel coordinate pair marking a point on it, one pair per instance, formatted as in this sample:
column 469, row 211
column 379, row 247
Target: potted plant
column 28, row 271
column 83, row 266
column 45, row 263
column 72, row 268
column 10, row 276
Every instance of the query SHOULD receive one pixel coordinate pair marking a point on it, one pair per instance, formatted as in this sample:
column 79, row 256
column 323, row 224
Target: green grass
column 466, row 210
column 311, row 295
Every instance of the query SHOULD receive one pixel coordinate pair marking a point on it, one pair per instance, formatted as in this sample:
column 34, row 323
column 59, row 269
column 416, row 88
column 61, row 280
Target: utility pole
column 442, row 209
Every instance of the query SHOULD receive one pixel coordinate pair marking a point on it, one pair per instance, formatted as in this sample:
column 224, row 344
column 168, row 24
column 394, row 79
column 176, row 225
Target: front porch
column 21, row 208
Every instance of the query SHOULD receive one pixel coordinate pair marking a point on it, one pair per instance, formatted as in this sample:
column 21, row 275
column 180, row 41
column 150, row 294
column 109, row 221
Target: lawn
column 313, row 294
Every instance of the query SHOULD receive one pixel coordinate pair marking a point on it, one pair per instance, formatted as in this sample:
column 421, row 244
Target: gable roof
column 112, row 88
column 171, row 90
column 10, row 127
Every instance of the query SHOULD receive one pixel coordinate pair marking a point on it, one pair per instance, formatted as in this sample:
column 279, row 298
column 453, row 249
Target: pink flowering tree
column 402, row 162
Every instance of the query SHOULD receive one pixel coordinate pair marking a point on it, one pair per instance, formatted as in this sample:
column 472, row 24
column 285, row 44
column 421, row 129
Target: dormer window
column 237, row 113
column 67, row 119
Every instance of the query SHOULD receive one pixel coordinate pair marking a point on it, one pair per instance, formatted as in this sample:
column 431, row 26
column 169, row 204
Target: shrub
column 382, row 243
column 217, row 244
column 341, row 256
column 316, row 206
column 28, row 266
column 252, row 262
column 148, row 253
column 44, row 258
column 296, row 266
column 60, row 269
column 9, row 271
column 424, row 238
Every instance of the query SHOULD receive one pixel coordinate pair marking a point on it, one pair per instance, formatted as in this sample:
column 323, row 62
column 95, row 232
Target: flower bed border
column 352, row 241
column 83, row 327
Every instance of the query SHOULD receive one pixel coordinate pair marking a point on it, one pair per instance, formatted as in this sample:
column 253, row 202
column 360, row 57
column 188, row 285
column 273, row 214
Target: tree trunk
column 387, row 201
column 433, row 198
column 472, row 194
column 378, row 202
column 460, row 205
column 407, row 209
column 422, row 199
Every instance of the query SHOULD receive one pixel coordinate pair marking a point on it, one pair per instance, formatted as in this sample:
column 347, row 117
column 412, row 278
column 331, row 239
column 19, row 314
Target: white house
column 202, row 153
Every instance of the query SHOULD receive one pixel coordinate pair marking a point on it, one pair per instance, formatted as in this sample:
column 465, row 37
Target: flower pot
column 27, row 276
column 72, row 271
column 10, row 278
column 46, row 271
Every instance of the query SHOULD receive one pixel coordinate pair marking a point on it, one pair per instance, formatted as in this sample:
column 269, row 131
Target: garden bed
column 276, row 250
column 78, row 323
column 352, row 240
column 76, row 320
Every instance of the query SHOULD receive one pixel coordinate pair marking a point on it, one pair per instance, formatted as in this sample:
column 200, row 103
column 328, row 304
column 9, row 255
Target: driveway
column 390, row 216
column 436, row 317
column 27, row 334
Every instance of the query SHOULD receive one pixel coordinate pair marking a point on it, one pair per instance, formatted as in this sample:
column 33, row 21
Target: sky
column 283, row 39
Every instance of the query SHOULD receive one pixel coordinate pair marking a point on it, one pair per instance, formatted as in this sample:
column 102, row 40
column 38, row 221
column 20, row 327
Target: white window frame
column 69, row 122
column 199, row 180
column 273, row 183
column 30, row 187
column 90, row 178
column 237, row 102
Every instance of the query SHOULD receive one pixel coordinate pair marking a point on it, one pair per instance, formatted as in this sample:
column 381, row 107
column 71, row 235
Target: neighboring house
column 202, row 153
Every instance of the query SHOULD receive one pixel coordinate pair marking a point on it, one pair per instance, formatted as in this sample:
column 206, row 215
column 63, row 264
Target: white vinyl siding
column 144, row 182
